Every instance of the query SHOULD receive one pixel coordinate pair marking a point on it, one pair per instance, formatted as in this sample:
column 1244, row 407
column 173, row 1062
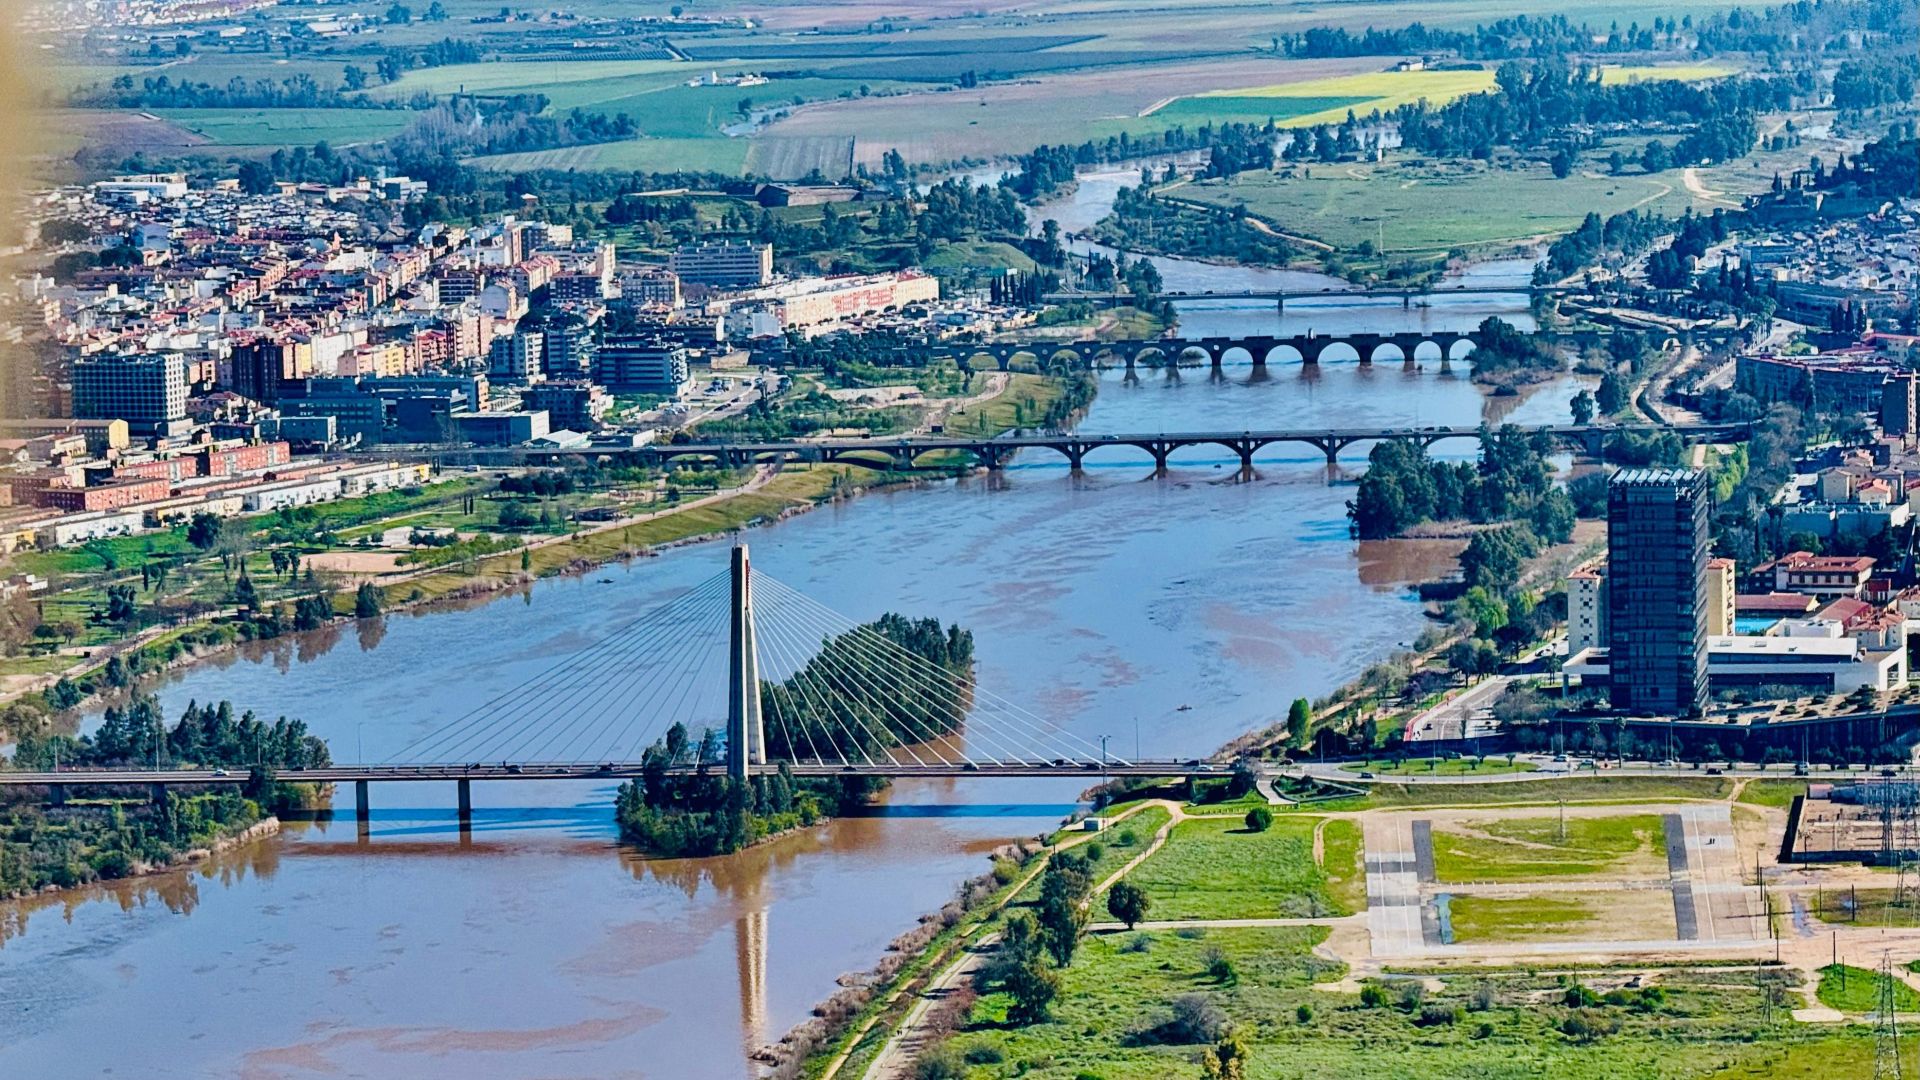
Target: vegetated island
column 110, row 835
column 705, row 812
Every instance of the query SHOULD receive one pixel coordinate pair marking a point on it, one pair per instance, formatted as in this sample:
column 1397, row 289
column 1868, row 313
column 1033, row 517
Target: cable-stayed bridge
column 756, row 675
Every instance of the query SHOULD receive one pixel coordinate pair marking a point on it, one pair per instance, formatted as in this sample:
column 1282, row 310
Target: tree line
column 1512, row 481
column 671, row 810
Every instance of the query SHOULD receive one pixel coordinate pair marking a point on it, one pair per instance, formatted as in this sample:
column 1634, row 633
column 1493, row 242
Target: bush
column 1219, row 967
column 1138, row 943
column 1304, row 1013
column 1579, row 997
column 1127, row 838
column 1438, row 1016
column 940, row 1063
column 1412, row 995
column 1483, row 1030
column 1196, row 1019
column 1259, row 819
column 1482, row 999
column 1094, row 851
column 1372, row 996
column 983, row 1054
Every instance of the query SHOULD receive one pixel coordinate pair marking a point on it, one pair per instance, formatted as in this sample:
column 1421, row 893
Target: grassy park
column 1535, row 848
column 1215, row 868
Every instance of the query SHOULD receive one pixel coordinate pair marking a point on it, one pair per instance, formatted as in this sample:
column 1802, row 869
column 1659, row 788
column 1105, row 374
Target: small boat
column 606, row 581
column 1184, row 708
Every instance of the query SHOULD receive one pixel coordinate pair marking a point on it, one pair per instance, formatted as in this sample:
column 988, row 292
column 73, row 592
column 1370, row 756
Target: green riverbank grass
column 1213, row 868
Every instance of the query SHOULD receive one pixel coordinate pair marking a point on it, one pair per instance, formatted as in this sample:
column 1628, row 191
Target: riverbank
column 101, row 861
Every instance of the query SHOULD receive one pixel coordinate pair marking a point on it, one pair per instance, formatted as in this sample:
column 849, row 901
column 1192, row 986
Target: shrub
column 1304, row 1013
column 1412, row 994
column 1483, row 1030
column 1372, row 996
column 1438, row 1015
column 940, row 1063
column 1196, row 1019
column 1094, row 851
column 1219, row 967
column 1586, row 1025
column 1138, row 943
column 1127, row 838
column 1482, row 999
column 1579, row 997
column 983, row 1054
column 1259, row 819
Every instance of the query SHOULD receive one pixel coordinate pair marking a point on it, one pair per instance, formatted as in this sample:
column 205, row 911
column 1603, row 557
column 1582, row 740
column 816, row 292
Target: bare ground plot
column 1512, row 848
column 1558, row 916
column 1013, row 118
column 130, row 132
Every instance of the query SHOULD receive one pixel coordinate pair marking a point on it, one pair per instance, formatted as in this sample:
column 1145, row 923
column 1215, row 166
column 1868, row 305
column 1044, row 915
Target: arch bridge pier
column 1411, row 349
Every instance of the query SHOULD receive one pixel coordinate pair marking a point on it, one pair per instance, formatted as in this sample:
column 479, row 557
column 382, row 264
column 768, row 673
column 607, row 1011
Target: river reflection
column 1167, row 612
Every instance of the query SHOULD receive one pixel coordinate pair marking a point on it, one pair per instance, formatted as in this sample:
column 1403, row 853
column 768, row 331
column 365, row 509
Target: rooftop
column 1654, row 477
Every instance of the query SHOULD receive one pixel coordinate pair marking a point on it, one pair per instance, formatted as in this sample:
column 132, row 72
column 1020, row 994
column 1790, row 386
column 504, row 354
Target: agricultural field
column 283, row 127
column 1415, row 206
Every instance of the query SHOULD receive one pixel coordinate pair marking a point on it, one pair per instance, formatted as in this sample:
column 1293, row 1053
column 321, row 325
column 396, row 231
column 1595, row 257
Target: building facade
column 724, row 263
column 1656, row 590
column 148, row 392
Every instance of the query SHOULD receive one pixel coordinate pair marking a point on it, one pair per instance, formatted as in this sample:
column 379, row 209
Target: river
column 538, row 947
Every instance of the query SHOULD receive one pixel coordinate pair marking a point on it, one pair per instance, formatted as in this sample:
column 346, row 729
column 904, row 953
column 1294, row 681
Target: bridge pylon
column 746, row 737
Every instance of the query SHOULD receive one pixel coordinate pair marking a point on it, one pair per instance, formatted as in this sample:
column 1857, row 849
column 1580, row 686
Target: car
column 1715, row 770
column 513, row 769
column 1366, row 775
column 221, row 772
column 971, row 767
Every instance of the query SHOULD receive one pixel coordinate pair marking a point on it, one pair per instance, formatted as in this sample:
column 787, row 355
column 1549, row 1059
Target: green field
column 1857, row 990
column 1544, row 791
column 1461, row 766
column 1484, row 918
column 1344, row 863
column 1533, row 849
column 1216, row 869
column 284, row 127
column 1416, row 206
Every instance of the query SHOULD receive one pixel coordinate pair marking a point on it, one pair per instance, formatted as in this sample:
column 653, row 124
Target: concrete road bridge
column 903, row 454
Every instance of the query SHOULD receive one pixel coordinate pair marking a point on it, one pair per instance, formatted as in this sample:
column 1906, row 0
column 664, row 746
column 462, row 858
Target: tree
column 366, row 601
column 399, row 15
column 1656, row 157
column 353, row 77
column 244, row 594
column 1667, row 269
column 1033, row 988
column 1127, row 902
column 1259, row 819
column 1226, row 1059
column 203, row 531
column 1299, row 723
column 1612, row 394
column 1196, row 1019
column 1562, row 163
column 120, row 605
column 1582, row 406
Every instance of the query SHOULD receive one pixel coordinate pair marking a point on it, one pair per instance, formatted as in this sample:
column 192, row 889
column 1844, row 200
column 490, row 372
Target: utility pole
column 1103, row 761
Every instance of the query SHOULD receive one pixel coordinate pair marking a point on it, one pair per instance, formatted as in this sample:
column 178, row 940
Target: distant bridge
column 1405, row 294
column 901, row 454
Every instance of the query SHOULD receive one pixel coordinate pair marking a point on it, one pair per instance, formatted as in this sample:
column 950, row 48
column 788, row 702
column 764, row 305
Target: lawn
column 1638, row 914
column 1623, row 789
column 1024, row 403
column 1342, row 862
column 1213, row 868
column 1776, row 793
column 1532, row 848
column 1857, row 990
column 1867, row 907
column 1461, row 766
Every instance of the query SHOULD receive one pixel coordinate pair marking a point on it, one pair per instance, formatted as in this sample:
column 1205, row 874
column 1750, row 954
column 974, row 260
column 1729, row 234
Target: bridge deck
column 602, row 772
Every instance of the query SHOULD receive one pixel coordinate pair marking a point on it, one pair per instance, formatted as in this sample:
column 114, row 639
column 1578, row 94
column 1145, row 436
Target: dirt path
column 1690, row 176
column 895, row 1059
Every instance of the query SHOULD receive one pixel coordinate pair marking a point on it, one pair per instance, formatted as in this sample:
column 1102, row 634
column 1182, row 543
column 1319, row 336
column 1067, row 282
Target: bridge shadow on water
column 965, row 810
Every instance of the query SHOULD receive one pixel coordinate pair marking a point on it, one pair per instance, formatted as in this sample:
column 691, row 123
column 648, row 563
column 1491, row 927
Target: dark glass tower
column 1656, row 590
